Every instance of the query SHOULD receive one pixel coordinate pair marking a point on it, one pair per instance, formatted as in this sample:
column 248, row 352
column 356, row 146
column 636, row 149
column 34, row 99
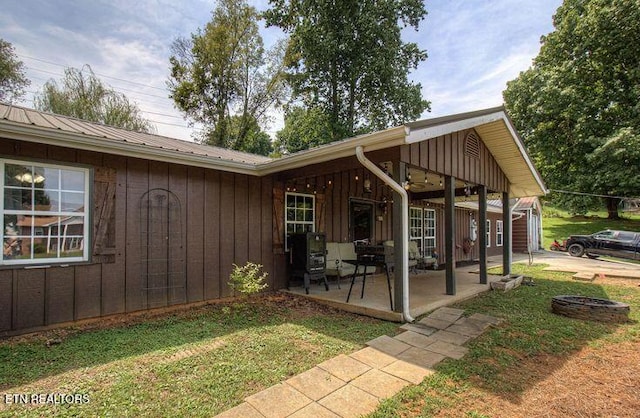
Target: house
column 526, row 219
column 527, row 225
column 100, row 220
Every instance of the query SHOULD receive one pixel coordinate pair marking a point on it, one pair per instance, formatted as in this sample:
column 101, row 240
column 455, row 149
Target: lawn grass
column 558, row 224
column 530, row 333
column 194, row 363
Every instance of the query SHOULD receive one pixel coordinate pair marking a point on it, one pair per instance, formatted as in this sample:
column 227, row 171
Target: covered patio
column 427, row 291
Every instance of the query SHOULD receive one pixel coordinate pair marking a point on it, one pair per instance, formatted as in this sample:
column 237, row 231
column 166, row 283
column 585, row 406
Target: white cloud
column 474, row 46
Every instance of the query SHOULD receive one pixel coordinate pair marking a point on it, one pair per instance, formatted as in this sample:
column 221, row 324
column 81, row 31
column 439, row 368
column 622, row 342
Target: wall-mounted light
column 367, row 186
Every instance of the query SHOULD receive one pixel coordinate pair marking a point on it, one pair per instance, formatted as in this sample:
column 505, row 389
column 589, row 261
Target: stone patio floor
column 353, row 385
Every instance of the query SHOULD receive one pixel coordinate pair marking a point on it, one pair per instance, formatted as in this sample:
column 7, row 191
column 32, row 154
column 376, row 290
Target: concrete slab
column 465, row 330
column 350, row 402
column 450, row 337
column 278, row 401
column 244, row 410
column 421, row 357
column 315, row 383
column 435, row 323
column 373, row 357
column 448, row 311
column 344, row 367
column 380, row 384
column 419, row 328
column 388, row 345
column 415, row 339
column 446, row 314
column 447, row 349
column 314, row 410
column 476, row 324
column 408, row 371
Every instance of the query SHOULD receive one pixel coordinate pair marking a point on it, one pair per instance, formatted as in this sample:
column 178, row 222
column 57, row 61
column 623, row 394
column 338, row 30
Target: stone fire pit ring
column 589, row 308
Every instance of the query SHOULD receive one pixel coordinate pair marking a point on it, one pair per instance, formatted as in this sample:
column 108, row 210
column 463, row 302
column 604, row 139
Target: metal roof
column 48, row 123
column 493, row 126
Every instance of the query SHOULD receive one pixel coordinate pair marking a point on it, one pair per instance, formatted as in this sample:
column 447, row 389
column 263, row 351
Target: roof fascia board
column 419, row 134
column 79, row 141
column 523, row 152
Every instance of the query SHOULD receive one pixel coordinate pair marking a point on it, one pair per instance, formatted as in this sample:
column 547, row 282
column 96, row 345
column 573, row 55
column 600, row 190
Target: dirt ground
column 595, row 382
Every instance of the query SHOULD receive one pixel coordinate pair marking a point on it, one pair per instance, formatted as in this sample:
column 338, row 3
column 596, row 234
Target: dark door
column 361, row 220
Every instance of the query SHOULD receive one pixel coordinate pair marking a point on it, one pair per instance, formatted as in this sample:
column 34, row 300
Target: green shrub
column 247, row 279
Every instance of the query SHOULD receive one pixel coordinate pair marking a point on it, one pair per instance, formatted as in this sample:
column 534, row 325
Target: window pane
column 51, row 178
column 291, row 214
column 72, row 202
column 18, row 175
column 72, row 180
column 17, row 199
column 16, row 248
column 299, row 214
column 308, row 216
column 46, row 200
column 291, row 201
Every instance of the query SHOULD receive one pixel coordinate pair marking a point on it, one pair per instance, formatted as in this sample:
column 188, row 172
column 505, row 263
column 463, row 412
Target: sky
column 474, row 47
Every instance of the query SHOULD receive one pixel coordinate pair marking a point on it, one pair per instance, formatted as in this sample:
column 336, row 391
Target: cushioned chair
column 414, row 254
column 337, row 252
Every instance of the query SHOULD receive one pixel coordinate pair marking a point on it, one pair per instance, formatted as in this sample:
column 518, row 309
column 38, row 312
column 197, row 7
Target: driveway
column 559, row 261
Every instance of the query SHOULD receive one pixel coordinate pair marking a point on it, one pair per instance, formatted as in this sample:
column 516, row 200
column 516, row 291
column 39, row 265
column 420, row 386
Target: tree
column 581, row 98
column 303, row 129
column 83, row 96
column 223, row 78
column 347, row 59
column 12, row 77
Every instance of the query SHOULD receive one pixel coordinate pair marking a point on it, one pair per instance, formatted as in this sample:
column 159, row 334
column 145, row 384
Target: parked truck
column 622, row 244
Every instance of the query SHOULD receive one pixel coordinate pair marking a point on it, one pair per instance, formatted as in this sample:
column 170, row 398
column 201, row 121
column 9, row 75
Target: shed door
column 163, row 264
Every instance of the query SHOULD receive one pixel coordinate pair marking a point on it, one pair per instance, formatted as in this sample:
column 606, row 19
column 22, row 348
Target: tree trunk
column 612, row 207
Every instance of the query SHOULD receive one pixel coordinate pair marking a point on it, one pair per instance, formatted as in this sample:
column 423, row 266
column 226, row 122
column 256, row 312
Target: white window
column 429, row 231
column 415, row 226
column 299, row 213
column 488, row 233
column 422, row 229
column 45, row 213
column 498, row 233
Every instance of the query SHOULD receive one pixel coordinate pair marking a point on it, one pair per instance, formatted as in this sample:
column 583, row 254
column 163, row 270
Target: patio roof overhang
column 499, row 135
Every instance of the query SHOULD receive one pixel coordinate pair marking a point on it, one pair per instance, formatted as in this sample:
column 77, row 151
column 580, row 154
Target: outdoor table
column 367, row 260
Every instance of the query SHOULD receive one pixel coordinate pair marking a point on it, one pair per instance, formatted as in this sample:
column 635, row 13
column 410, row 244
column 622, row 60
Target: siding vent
column 472, row 145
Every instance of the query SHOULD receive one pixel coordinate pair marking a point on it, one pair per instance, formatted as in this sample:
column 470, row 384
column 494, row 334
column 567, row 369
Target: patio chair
column 334, row 264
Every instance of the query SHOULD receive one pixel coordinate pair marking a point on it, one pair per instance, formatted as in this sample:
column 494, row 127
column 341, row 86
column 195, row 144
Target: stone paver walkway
column 353, row 385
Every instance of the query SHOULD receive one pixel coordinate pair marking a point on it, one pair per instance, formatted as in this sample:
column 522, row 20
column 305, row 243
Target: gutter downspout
column 405, row 226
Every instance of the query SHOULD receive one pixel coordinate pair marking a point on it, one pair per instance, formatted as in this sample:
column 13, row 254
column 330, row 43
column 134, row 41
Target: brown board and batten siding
column 225, row 218
column 334, row 185
column 446, row 155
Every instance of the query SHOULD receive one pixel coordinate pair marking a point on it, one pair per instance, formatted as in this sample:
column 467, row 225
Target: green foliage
column 83, row 96
column 12, row 77
column 582, row 93
column 347, row 61
column 247, row 279
column 503, row 360
column 303, row 129
column 198, row 362
column 223, row 78
column 559, row 225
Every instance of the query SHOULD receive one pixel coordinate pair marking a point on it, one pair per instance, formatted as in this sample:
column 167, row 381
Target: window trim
column 87, row 231
column 499, row 233
column 287, row 222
